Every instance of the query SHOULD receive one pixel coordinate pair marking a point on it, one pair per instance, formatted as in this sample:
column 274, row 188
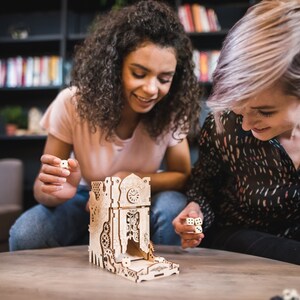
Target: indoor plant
column 12, row 116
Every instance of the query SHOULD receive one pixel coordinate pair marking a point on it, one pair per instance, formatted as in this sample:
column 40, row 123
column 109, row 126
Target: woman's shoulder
column 67, row 93
column 64, row 102
column 226, row 118
column 229, row 121
column 65, row 98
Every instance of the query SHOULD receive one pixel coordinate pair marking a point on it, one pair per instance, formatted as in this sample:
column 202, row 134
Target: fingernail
column 65, row 172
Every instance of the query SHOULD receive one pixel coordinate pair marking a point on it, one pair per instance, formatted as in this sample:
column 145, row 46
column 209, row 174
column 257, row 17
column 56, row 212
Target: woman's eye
column 165, row 79
column 266, row 113
column 162, row 80
column 139, row 76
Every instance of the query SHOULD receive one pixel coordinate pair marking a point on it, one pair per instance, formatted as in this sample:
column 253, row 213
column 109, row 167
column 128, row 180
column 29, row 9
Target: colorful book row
column 33, row 71
column 197, row 18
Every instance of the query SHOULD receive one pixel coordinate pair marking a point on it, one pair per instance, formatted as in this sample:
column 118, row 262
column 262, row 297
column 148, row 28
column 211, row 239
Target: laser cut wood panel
column 120, row 230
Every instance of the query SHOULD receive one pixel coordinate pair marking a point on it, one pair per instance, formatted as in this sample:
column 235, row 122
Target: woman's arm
column 54, row 184
column 203, row 185
column 178, row 169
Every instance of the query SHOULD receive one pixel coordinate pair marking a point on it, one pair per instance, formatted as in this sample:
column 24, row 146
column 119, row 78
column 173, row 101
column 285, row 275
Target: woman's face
column 270, row 114
column 147, row 76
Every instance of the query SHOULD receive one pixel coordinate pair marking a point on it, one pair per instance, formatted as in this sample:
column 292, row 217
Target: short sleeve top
column 98, row 157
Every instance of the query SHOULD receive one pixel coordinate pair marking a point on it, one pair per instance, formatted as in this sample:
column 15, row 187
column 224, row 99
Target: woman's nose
column 248, row 122
column 151, row 86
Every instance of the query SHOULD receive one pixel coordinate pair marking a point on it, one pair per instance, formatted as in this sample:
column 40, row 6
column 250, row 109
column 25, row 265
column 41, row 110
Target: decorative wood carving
column 120, row 231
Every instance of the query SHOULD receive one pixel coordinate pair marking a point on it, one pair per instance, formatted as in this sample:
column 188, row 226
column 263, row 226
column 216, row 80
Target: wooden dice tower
column 119, row 229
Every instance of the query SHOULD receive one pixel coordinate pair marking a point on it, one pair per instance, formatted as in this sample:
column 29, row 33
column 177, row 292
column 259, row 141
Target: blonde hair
column 262, row 49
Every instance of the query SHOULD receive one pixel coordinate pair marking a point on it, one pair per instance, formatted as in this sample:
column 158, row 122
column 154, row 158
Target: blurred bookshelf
column 37, row 40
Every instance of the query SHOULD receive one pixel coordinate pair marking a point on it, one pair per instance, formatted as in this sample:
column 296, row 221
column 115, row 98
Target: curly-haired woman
column 132, row 101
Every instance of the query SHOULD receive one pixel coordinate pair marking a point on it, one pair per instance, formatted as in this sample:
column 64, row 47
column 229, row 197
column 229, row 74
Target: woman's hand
column 189, row 238
column 58, row 181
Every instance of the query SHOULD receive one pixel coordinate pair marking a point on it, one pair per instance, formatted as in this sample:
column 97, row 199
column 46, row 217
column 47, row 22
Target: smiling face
column 270, row 114
column 147, row 76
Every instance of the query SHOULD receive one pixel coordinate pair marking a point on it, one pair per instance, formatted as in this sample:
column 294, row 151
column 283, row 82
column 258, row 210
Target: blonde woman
column 246, row 184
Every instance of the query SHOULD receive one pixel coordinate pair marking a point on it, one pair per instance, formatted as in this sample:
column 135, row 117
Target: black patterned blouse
column 240, row 180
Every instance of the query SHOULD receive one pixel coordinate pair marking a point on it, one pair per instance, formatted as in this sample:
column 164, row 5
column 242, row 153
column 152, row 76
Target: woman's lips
column 260, row 130
column 144, row 101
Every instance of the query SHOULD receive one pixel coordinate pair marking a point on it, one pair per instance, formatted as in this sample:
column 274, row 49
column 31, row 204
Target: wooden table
column 65, row 273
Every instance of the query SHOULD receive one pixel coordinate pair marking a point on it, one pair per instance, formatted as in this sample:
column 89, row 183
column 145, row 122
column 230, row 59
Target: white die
column 64, row 164
column 198, row 221
column 290, row 294
column 190, row 221
column 159, row 259
column 198, row 229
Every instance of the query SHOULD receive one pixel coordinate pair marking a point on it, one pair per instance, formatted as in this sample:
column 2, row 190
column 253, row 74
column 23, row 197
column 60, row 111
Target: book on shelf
column 36, row 71
column 183, row 18
column 3, row 72
column 196, row 17
column 213, row 20
column 205, row 64
column 45, row 69
column 188, row 15
column 29, row 71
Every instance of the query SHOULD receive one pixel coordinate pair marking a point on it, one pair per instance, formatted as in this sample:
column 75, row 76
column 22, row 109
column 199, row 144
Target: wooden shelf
column 18, row 138
column 32, row 39
column 30, row 88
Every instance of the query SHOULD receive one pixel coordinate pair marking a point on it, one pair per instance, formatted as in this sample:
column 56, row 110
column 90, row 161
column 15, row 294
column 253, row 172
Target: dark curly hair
column 98, row 65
